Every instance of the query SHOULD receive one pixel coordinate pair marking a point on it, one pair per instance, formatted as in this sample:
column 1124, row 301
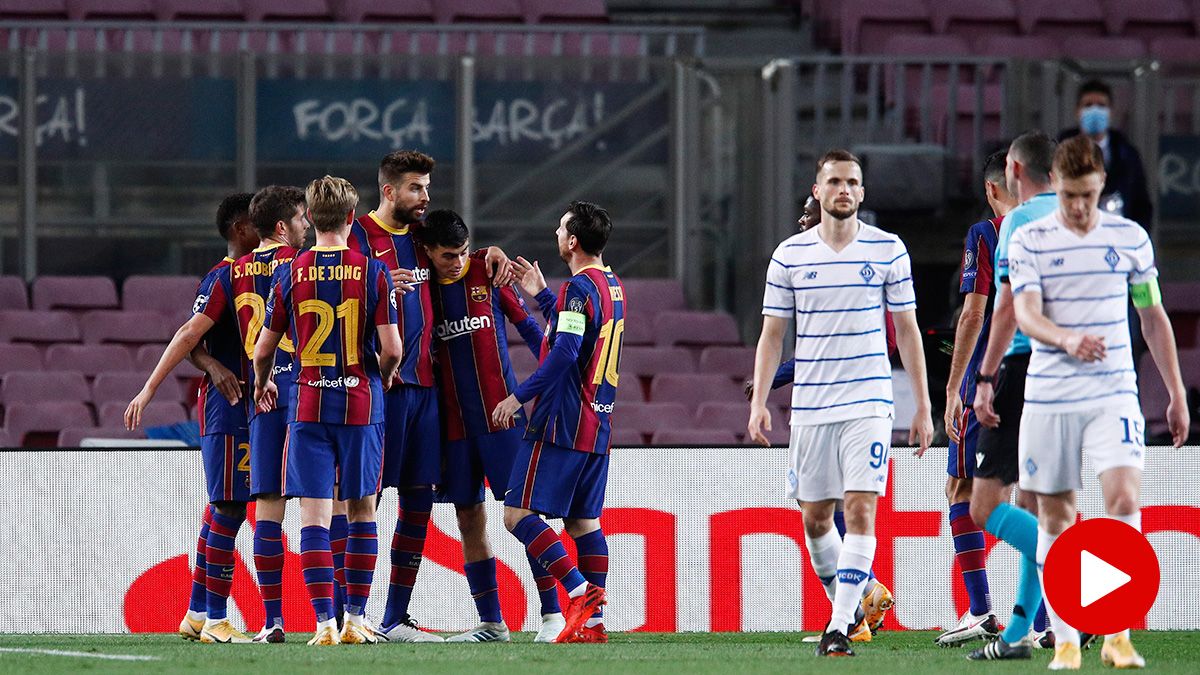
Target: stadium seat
column 1175, row 50
column 473, row 11
column 1149, row 19
column 8, row 442
column 71, row 437
column 12, row 293
column 31, row 386
column 650, row 417
column 1060, row 18
column 34, row 9
column 1154, row 397
column 1020, row 46
column 557, row 11
column 133, row 10
column 660, row 294
column 19, row 357
column 865, row 23
column 1087, row 47
column 125, row 327
column 1189, row 364
column 728, row 416
column 1181, row 296
column 638, row 333
column 122, row 386
column 781, row 397
column 620, row 437
column 921, row 45
column 147, row 357
column 363, row 11
column 38, row 327
column 973, row 19
column 523, row 363
column 200, row 10
column 693, row 437
column 171, row 296
column 650, row 361
column 736, row 362
column 695, row 328
column 74, row 293
column 157, row 414
column 23, row 420
column 290, row 11
column 692, row 390
column 90, row 360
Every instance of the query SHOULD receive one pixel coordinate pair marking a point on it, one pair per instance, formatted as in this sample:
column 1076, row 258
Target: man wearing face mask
column 1125, row 192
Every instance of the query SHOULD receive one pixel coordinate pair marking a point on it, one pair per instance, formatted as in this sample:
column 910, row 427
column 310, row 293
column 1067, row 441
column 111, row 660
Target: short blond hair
column 329, row 200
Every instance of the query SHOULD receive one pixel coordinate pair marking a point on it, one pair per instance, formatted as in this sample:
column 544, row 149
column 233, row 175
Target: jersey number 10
column 606, row 367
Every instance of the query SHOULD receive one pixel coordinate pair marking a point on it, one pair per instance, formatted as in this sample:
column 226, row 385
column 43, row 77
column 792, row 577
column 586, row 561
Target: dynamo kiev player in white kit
column 1071, row 273
column 837, row 280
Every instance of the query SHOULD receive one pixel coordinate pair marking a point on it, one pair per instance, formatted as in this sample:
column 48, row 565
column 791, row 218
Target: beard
column 842, row 212
column 406, row 216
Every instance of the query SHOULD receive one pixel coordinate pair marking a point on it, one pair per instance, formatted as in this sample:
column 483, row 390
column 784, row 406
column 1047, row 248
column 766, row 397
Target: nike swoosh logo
column 380, row 254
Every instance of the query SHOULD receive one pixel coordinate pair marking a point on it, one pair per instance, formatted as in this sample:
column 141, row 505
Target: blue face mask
column 1094, row 120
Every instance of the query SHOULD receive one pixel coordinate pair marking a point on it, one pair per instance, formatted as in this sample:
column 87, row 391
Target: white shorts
column 828, row 460
column 1052, row 446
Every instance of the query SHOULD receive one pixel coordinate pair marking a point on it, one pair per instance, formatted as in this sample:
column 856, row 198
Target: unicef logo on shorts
column 793, row 481
column 351, row 381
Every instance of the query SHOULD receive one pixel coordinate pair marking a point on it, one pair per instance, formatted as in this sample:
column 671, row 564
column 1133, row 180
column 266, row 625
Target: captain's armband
column 1146, row 294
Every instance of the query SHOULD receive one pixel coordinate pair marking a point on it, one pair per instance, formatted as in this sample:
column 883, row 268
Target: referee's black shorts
column 997, row 448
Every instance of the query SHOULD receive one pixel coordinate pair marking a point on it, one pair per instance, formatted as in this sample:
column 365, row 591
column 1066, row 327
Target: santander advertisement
column 700, row 540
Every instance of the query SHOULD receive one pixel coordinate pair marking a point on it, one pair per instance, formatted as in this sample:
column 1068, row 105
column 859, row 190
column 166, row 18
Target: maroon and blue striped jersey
column 576, row 379
column 471, row 347
column 251, row 286
column 398, row 248
column 214, row 299
column 330, row 299
column 978, row 276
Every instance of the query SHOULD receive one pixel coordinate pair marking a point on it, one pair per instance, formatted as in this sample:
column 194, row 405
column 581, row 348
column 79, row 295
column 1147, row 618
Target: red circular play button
column 1101, row 576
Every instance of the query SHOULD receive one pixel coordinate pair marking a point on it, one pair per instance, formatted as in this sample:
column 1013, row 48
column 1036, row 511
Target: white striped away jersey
column 1084, row 282
column 838, row 300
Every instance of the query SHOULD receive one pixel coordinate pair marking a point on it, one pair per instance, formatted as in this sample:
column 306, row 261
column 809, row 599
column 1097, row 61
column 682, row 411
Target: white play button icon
column 1097, row 578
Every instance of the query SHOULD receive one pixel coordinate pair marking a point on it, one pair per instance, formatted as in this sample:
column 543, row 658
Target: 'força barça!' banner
column 700, row 540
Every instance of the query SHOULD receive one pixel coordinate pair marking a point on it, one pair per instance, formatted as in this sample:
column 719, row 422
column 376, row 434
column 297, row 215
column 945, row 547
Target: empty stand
column 1102, row 48
column 171, row 296
column 695, row 328
column 125, row 327
column 201, row 10
column 74, row 293
column 157, row 414
column 135, row 10
column 638, row 332
column 1020, row 46
column 12, row 293
column 363, row 11
column 1154, row 397
column 693, row 437
column 19, row 357
column 1061, row 18
column 921, row 45
column 620, row 437
column 1149, row 19
column 651, row 361
column 34, row 9
column 34, row 386
column 88, row 359
column 121, row 387
column 865, row 23
column 735, row 362
column 38, row 327
column 1175, row 50
column 557, row 11
column 523, row 363
column 657, row 294
column 44, row 418
column 973, row 19
column 692, row 390
column 147, row 358
column 6, row 441
column 72, row 437
column 728, row 416
column 292, row 10
column 650, row 417
column 471, row 11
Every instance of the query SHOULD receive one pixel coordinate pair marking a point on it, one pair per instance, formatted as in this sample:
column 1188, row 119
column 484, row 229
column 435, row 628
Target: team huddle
column 377, row 359
column 1036, row 382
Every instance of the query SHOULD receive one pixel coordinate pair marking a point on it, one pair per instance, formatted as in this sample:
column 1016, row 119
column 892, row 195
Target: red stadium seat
column 650, row 361
column 1154, row 397
column 694, row 437
column 19, row 357
column 473, row 11
column 363, row 11
column 12, row 293
column 523, row 363
column 38, row 327
column 31, row 386
column 125, row 327
column 736, row 362
column 157, row 414
column 34, row 9
column 620, row 437
column 1189, row 364
column 135, row 10
column 122, row 386
column 973, row 19
column 650, row 417
column 90, row 360
column 72, row 437
column 1181, row 296
column 290, row 11
column 1149, row 19
column 7, row 441
column 147, row 357
column 866, row 23
column 39, row 423
column 199, row 10
column 1061, row 18
column 74, row 293
column 171, row 296
column 659, row 294
column 921, row 45
column 695, row 328
column 1175, row 49
column 1021, row 46
column 1102, row 48
column 692, row 390
column 557, row 11
column 728, row 416
column 638, row 332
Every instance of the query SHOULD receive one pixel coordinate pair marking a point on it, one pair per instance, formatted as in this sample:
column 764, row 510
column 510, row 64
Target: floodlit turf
column 627, row 654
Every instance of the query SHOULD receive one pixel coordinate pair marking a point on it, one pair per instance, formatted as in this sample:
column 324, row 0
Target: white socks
column 1133, row 520
column 1062, row 632
column 823, row 552
column 853, row 570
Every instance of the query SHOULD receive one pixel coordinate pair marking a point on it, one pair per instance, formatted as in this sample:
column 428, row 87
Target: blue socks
column 1018, row 527
column 969, row 548
column 481, row 578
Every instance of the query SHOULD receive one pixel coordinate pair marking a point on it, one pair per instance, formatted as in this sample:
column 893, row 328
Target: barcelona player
column 412, row 455
column 278, row 215
column 561, row 470
column 475, row 374
column 224, row 437
column 338, row 306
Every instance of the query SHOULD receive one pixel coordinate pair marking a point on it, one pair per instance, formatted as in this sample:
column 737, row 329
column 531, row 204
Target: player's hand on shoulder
column 1086, row 348
column 921, row 431
column 403, row 280
column 529, row 276
column 760, row 420
column 499, row 267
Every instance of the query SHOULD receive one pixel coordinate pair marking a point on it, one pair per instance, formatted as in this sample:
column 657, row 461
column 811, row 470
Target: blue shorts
column 961, row 460
column 557, row 482
column 412, row 451
column 268, row 433
column 226, row 466
column 469, row 461
column 318, row 455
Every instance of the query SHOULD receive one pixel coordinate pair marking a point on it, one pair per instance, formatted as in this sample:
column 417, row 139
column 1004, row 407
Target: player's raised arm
column 181, row 344
column 529, row 276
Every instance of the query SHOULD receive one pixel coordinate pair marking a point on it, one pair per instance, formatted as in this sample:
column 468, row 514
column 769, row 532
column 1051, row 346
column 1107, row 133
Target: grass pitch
column 891, row 653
